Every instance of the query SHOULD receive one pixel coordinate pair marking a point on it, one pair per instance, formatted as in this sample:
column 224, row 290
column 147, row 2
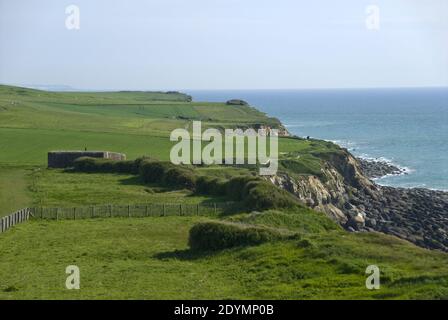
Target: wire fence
column 134, row 210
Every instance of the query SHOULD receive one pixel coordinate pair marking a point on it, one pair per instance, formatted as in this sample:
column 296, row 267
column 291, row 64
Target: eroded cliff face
column 333, row 193
column 346, row 195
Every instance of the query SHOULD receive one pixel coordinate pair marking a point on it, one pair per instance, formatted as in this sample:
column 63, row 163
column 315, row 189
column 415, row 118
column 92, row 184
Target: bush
column 88, row 164
column 254, row 192
column 154, row 171
column 127, row 166
column 139, row 161
column 211, row 186
column 236, row 185
column 262, row 196
column 179, row 178
column 84, row 164
column 221, row 235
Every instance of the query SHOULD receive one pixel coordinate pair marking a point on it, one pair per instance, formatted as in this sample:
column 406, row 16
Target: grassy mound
column 262, row 195
column 154, row 171
column 221, row 235
column 211, row 185
column 301, row 220
column 256, row 193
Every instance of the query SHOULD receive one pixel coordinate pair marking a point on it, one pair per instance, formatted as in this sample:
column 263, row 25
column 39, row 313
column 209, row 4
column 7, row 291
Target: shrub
column 254, row 192
column 88, row 164
column 262, row 196
column 221, row 235
column 154, row 171
column 210, row 185
column 127, row 166
column 236, row 185
column 179, row 177
column 84, row 164
column 139, row 161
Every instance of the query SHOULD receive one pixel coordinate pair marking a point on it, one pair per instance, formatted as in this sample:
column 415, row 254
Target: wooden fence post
column 163, row 211
column 74, row 213
column 57, row 213
column 129, row 211
column 216, row 209
column 110, row 211
column 180, row 209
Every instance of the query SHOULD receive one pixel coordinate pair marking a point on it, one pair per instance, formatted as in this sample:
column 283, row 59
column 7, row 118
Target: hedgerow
column 220, row 235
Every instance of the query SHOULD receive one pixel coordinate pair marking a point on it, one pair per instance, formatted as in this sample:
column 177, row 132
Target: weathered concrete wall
column 65, row 159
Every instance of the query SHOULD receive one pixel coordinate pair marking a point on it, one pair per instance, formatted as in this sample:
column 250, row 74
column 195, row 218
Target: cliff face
column 333, row 194
column 346, row 195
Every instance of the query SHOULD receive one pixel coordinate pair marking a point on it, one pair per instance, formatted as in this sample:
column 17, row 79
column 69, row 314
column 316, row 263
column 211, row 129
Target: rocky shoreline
column 349, row 195
column 375, row 169
column 416, row 214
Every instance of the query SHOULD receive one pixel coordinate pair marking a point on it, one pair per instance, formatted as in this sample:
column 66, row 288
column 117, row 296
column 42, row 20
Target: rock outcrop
column 376, row 169
column 358, row 204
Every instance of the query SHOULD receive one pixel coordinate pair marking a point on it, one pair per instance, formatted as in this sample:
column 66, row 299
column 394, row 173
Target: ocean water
column 406, row 127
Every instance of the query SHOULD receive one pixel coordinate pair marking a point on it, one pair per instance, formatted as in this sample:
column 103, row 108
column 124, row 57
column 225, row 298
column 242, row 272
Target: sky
column 224, row 44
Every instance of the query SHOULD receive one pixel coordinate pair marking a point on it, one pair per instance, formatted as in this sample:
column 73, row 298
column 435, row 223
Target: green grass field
column 56, row 188
column 14, row 189
column 149, row 258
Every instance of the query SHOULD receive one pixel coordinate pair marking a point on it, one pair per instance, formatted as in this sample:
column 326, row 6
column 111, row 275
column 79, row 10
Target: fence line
column 109, row 211
column 14, row 218
column 134, row 210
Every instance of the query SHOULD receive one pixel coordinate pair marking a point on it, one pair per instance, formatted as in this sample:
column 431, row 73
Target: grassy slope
column 56, row 188
column 33, row 122
column 149, row 258
column 140, row 253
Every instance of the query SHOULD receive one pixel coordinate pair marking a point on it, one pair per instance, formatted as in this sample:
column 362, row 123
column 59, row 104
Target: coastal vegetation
column 274, row 247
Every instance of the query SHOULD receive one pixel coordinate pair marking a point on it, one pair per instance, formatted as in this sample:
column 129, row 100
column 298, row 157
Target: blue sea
column 406, row 127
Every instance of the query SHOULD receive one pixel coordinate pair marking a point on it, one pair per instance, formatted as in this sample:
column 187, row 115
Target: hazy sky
column 224, row 44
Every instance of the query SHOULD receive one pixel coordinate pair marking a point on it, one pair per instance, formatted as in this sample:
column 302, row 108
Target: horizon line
column 73, row 89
